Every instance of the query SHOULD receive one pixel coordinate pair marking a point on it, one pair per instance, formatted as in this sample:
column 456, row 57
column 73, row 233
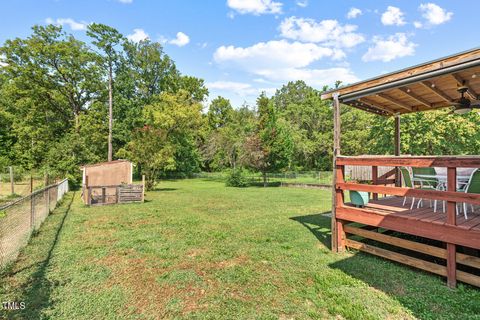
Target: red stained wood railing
column 451, row 196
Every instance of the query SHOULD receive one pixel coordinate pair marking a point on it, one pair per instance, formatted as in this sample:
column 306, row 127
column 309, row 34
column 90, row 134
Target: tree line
column 65, row 102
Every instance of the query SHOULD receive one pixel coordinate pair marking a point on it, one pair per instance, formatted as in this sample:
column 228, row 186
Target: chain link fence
column 20, row 218
column 16, row 182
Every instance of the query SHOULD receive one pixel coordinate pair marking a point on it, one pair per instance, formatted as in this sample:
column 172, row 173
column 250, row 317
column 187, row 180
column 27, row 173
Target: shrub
column 237, row 179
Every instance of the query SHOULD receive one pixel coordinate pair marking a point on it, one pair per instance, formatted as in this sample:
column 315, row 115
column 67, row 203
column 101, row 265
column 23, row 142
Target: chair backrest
column 433, row 182
column 429, row 171
column 407, row 179
column 474, row 182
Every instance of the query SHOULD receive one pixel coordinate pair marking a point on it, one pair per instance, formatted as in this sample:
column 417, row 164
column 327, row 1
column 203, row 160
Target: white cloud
column 74, row 25
column 138, row 35
column 390, row 48
column 302, row 3
column 256, row 7
column 181, row 40
column 282, row 61
column 417, row 24
column 242, row 90
column 434, row 14
column 353, row 13
column 393, row 16
column 329, row 32
column 125, row 1
column 275, row 54
column 313, row 77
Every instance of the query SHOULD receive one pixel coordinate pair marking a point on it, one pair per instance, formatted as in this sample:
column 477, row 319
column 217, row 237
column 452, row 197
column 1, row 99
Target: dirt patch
column 149, row 296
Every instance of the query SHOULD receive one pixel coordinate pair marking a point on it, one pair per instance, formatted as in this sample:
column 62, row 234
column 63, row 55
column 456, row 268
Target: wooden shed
column 110, row 182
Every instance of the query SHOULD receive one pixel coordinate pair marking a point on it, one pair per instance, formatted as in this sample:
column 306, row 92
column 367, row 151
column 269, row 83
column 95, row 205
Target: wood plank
column 398, row 242
column 408, row 92
column 406, row 73
column 440, row 232
column 398, row 257
column 395, row 101
column 412, row 161
column 468, row 260
column 410, row 192
column 468, row 278
column 376, row 105
column 470, row 223
column 438, row 92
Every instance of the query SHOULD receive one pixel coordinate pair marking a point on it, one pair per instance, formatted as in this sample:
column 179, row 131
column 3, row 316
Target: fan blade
column 475, row 103
column 455, row 104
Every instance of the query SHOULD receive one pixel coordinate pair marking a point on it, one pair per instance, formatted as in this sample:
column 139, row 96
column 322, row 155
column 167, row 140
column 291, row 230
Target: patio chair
column 473, row 186
column 423, row 182
column 407, row 181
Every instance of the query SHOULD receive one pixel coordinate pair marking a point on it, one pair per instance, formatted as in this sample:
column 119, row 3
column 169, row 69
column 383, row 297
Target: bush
column 237, row 179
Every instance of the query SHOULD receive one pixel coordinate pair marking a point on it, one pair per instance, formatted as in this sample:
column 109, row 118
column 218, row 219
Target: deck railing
column 388, row 186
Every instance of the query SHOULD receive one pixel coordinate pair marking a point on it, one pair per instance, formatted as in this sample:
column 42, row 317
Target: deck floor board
column 394, row 206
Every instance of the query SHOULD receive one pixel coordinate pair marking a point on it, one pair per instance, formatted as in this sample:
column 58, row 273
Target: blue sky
column 241, row 47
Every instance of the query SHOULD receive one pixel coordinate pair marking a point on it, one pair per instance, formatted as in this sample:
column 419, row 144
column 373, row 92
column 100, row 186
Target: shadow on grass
column 319, row 225
column 36, row 294
column 164, row 189
column 418, row 291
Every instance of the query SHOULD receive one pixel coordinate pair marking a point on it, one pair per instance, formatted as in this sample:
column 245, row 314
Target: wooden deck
column 393, row 206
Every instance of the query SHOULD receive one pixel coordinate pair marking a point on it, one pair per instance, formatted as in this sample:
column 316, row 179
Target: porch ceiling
column 428, row 86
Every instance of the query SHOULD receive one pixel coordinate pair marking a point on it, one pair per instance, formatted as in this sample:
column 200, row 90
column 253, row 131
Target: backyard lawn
column 197, row 249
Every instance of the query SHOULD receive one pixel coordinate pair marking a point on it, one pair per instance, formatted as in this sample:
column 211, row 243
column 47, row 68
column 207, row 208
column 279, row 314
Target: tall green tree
column 107, row 39
column 168, row 139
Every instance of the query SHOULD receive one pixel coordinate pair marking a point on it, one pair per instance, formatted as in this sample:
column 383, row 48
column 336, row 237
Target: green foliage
column 236, row 178
column 167, row 140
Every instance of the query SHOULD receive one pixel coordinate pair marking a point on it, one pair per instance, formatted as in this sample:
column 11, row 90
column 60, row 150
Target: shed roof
column 427, row 86
column 103, row 163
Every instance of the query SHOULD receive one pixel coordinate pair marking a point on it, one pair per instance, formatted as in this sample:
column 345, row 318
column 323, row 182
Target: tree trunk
column 110, row 113
column 264, row 179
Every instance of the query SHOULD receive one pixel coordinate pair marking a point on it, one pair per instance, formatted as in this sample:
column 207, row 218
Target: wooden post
column 340, row 176
column 398, row 182
column 47, row 194
column 89, row 195
column 12, row 183
column 32, row 204
column 143, row 188
column 117, row 194
column 104, row 195
column 336, row 153
column 451, row 220
column 375, row 180
column 85, row 191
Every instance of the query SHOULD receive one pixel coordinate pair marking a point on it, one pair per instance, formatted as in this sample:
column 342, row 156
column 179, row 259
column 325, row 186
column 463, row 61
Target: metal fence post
column 12, row 184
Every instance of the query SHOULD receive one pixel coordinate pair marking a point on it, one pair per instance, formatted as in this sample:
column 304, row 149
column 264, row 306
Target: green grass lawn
column 199, row 250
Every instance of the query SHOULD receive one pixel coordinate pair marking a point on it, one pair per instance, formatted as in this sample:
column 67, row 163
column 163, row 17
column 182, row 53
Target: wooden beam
column 365, row 107
column 416, row 97
column 452, row 196
column 432, row 66
column 462, row 82
column 336, row 153
column 395, row 102
column 398, row 257
column 412, row 161
column 451, row 220
column 397, row 150
column 430, row 86
column 436, row 231
column 398, row 242
column 376, row 105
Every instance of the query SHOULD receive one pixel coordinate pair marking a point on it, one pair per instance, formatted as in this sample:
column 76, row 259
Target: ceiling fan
column 464, row 105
